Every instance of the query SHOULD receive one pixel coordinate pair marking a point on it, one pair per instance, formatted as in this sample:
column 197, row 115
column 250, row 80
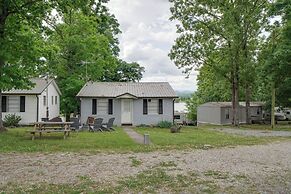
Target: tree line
column 71, row 41
column 240, row 48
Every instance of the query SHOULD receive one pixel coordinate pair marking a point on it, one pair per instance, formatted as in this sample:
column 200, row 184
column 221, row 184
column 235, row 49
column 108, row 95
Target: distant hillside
column 184, row 94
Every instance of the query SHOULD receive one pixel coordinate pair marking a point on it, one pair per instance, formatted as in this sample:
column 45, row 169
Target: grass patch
column 18, row 140
column 167, row 164
column 197, row 137
column 135, row 162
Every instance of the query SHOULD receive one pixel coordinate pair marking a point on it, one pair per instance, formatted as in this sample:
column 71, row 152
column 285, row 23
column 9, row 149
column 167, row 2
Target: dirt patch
column 265, row 167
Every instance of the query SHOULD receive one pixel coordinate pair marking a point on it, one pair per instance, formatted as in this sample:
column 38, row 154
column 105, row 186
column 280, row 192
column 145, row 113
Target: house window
column 56, row 99
column 44, row 100
column 145, row 106
column 52, row 100
column 4, row 104
column 160, row 106
column 258, row 110
column 110, row 106
column 227, row 114
column 13, row 103
column 94, row 106
column 22, row 103
column 102, row 105
column 153, row 106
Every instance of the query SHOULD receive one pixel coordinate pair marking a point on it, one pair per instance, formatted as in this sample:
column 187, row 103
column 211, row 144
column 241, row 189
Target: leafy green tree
column 20, row 43
column 219, row 34
column 275, row 58
column 78, row 54
column 125, row 72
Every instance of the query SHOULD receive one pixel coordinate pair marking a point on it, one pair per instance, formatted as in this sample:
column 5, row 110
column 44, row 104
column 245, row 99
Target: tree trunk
column 273, row 106
column 232, row 98
column 2, row 128
column 248, row 97
column 236, row 102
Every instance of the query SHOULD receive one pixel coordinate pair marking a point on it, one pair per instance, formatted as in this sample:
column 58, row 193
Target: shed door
column 126, row 111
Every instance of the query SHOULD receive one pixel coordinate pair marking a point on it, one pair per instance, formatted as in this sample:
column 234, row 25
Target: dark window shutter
column 110, row 106
column 94, row 106
column 4, row 103
column 145, row 106
column 22, row 103
column 160, row 106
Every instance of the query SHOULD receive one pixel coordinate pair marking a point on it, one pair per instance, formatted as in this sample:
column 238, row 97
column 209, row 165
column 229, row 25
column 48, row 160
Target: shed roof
column 40, row 85
column 139, row 89
column 229, row 104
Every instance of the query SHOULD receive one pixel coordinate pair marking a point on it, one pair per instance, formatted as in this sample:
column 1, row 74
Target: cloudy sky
column 147, row 37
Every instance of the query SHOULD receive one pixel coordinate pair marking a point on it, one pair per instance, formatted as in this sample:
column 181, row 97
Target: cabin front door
column 126, row 111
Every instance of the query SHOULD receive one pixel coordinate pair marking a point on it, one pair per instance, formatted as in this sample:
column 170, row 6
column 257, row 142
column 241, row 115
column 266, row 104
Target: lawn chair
column 108, row 126
column 76, row 124
column 97, row 125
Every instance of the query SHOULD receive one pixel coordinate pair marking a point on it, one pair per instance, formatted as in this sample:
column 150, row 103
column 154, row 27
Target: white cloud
column 147, row 37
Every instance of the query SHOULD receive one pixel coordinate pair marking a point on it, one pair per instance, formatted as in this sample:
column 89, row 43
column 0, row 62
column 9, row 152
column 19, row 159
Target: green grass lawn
column 18, row 140
column 194, row 137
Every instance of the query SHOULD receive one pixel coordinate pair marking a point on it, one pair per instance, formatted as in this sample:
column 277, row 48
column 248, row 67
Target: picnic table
column 51, row 127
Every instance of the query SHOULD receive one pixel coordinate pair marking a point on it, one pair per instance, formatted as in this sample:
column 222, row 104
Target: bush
column 164, row 124
column 11, row 120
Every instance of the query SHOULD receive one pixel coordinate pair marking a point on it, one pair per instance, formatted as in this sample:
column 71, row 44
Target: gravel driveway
column 265, row 167
column 255, row 133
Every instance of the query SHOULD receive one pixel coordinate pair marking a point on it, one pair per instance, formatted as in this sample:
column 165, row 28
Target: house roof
column 229, row 104
column 139, row 89
column 40, row 85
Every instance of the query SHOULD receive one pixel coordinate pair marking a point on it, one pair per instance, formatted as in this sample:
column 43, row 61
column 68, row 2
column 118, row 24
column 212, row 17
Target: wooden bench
column 33, row 132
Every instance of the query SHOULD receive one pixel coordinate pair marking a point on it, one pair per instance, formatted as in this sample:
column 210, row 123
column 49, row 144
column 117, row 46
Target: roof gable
column 116, row 89
column 40, row 85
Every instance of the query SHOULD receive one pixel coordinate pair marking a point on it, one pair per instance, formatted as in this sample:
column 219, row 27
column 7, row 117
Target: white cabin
column 41, row 101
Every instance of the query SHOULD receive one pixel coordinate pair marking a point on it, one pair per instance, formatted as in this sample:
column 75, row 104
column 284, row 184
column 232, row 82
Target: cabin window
column 160, row 106
column 110, row 106
column 14, row 103
column 4, row 104
column 145, row 106
column 258, row 110
column 227, row 113
column 102, row 105
column 52, row 100
column 94, row 106
column 177, row 117
column 44, row 100
column 56, row 99
column 22, row 103
column 153, row 106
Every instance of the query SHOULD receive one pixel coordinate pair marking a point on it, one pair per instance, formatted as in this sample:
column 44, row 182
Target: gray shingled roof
column 228, row 104
column 139, row 89
column 40, row 85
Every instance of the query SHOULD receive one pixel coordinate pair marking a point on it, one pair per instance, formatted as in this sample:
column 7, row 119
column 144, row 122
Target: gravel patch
column 266, row 167
column 255, row 133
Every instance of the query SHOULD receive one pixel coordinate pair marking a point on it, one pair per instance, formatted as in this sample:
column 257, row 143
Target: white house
column 129, row 103
column 181, row 112
column 41, row 101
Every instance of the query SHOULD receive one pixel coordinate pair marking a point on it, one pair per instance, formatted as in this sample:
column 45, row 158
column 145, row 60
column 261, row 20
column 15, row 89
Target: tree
column 78, row 53
column 220, row 34
column 20, row 43
column 125, row 72
column 275, row 59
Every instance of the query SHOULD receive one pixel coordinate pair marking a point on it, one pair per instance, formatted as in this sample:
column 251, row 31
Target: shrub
column 164, row 124
column 11, row 120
